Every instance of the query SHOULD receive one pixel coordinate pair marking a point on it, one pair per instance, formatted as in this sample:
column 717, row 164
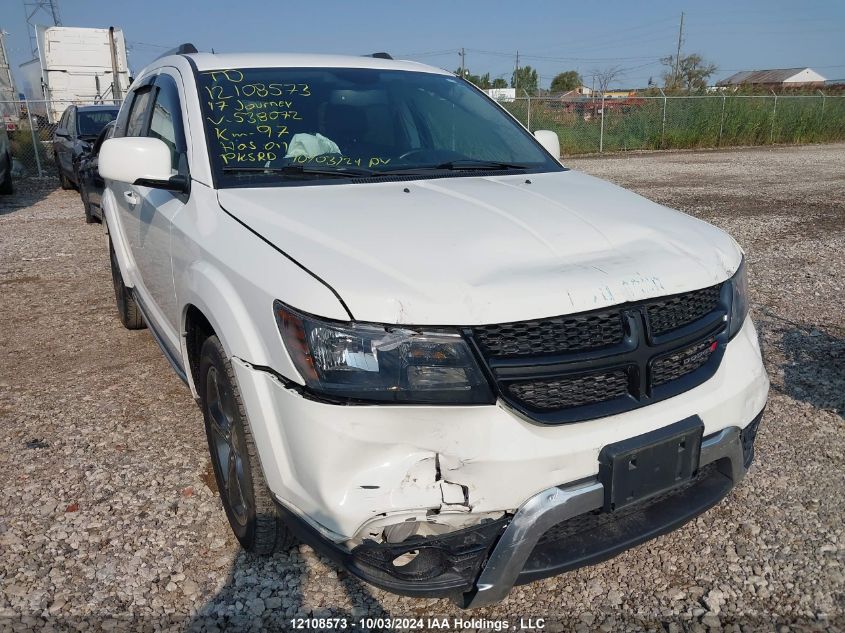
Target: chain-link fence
column 593, row 124
column 30, row 133
column 584, row 124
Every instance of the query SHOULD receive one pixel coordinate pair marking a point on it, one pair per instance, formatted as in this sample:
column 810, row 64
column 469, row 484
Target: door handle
column 131, row 198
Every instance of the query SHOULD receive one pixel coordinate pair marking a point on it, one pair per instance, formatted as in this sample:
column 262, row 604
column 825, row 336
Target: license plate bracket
column 646, row 465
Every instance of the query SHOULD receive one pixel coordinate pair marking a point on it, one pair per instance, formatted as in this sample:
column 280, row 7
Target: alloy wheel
column 227, row 446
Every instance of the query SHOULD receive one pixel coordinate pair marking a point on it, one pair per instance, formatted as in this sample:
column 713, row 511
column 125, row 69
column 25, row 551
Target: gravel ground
column 107, row 508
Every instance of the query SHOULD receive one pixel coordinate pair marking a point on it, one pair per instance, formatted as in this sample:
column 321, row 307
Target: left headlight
column 381, row 363
column 739, row 299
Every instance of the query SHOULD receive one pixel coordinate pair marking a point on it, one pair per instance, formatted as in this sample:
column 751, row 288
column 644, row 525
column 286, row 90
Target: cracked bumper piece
column 428, row 566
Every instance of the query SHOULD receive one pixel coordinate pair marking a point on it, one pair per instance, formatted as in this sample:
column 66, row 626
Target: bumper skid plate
column 538, row 541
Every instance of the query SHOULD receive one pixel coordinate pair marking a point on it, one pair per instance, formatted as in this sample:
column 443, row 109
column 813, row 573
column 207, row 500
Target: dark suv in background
column 77, row 130
column 90, row 182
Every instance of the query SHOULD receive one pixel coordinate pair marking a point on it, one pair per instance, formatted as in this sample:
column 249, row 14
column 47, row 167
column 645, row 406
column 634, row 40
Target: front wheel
column 64, row 181
column 6, row 186
column 89, row 216
column 243, row 490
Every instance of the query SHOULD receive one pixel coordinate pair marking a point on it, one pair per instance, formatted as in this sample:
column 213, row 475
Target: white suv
column 419, row 343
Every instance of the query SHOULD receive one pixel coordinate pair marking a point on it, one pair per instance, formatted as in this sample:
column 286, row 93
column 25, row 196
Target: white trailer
column 8, row 96
column 75, row 65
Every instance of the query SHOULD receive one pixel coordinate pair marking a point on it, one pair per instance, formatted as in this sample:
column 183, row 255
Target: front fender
column 233, row 276
column 208, row 289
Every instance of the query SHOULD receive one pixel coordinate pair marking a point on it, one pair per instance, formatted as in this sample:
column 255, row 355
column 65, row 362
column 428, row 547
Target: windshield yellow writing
column 246, row 122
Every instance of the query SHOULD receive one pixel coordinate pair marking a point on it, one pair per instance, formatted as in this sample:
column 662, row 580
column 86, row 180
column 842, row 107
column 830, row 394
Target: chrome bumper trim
column 558, row 504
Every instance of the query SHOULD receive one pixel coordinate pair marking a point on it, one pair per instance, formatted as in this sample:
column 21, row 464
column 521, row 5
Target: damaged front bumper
column 557, row 530
column 419, row 500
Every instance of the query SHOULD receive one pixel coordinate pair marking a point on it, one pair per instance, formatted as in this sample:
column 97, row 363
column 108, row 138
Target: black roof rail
column 381, row 55
column 182, row 49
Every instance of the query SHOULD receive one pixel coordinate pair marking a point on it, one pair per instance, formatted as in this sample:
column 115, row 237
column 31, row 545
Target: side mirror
column 62, row 132
column 140, row 161
column 550, row 141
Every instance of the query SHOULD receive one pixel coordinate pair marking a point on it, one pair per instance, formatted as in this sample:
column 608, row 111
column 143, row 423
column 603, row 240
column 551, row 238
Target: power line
column 31, row 9
column 590, row 60
column 614, row 37
column 605, row 42
column 448, row 51
column 563, row 59
column 136, row 43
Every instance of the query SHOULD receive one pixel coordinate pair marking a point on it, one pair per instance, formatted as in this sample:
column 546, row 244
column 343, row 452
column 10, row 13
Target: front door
column 126, row 194
column 155, row 209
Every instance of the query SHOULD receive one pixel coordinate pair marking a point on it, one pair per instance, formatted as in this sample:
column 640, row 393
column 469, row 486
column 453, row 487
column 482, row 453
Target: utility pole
column 678, row 54
column 116, row 89
column 516, row 72
column 463, row 62
column 7, row 82
column 31, row 10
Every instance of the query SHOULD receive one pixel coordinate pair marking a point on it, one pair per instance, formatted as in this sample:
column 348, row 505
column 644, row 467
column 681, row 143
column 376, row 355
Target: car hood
column 475, row 250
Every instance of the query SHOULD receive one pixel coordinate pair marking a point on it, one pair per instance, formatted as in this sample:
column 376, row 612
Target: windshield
column 92, row 122
column 270, row 126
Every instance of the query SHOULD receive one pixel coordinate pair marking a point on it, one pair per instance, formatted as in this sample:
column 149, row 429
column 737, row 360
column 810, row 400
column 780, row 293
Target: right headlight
column 739, row 299
column 383, row 363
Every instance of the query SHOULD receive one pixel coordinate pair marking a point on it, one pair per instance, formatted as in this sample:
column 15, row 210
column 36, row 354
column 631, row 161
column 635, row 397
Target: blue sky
column 550, row 36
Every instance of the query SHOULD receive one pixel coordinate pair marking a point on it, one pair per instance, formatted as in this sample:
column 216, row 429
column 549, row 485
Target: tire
column 6, row 186
column 127, row 309
column 64, row 181
column 89, row 217
column 249, row 506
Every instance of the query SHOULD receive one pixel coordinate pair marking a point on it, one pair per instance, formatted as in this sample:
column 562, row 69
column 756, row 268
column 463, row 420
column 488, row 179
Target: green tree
column 498, row 82
column 482, row 81
column 564, row 82
column 525, row 79
column 692, row 72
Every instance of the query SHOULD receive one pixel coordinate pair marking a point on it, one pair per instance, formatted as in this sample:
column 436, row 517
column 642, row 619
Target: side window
column 166, row 122
column 63, row 120
column 123, row 115
column 138, row 114
column 104, row 134
column 71, row 122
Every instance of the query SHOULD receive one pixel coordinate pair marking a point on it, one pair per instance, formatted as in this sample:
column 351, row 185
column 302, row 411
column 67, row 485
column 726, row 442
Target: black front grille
column 674, row 312
column 593, row 364
column 682, row 362
column 570, row 391
column 551, row 336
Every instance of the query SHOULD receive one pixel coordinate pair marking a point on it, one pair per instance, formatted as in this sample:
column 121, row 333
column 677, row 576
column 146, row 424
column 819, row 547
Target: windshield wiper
column 463, row 164
column 469, row 163
column 295, row 170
